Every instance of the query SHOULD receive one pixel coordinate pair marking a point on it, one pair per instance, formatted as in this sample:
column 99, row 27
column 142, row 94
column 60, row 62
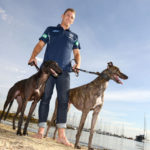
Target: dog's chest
column 99, row 98
column 39, row 90
column 98, row 101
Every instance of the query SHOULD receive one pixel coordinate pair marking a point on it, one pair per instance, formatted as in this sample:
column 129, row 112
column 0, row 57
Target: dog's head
column 112, row 72
column 51, row 67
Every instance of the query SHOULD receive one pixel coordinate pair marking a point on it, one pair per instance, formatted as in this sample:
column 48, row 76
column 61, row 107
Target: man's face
column 68, row 18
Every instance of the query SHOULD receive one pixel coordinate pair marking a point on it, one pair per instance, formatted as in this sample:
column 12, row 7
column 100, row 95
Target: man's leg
column 44, row 106
column 63, row 86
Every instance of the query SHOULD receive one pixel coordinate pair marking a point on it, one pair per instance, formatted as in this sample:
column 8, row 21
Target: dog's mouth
column 53, row 72
column 117, row 79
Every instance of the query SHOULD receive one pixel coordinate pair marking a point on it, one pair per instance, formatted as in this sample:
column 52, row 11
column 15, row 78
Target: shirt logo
column 76, row 43
column 70, row 35
column 44, row 36
column 55, row 31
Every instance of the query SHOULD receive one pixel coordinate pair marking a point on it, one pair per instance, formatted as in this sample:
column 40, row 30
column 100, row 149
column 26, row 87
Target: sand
column 10, row 141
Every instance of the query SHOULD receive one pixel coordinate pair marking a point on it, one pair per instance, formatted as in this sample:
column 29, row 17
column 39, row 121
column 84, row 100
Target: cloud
column 3, row 14
column 14, row 69
column 130, row 95
column 5, row 17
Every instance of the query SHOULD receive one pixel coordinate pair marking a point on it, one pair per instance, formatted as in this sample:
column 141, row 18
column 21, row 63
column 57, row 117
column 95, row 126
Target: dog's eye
column 117, row 70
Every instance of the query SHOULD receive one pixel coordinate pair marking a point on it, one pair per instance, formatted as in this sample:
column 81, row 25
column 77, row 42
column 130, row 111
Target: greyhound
column 29, row 89
column 90, row 97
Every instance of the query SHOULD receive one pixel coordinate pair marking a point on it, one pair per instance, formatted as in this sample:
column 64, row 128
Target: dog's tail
column 8, row 109
column 5, row 106
column 9, row 100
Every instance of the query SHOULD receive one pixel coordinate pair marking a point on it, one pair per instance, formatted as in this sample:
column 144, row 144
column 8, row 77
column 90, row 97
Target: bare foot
column 64, row 141
column 40, row 133
column 38, row 136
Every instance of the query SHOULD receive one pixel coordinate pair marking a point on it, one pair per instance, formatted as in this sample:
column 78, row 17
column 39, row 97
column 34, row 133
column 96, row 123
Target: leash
column 33, row 63
column 90, row 72
column 96, row 73
column 77, row 74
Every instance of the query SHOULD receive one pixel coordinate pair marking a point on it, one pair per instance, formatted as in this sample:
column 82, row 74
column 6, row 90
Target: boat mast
column 145, row 127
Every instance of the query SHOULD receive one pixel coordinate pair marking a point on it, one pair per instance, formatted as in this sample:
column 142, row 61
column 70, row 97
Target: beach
column 10, row 141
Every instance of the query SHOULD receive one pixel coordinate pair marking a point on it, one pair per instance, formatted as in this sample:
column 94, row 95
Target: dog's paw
column 19, row 133
column 90, row 148
column 77, row 147
column 45, row 136
column 25, row 133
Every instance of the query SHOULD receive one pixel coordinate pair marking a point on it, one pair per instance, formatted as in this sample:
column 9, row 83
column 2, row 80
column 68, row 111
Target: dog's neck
column 102, row 80
column 41, row 78
column 104, row 76
column 43, row 75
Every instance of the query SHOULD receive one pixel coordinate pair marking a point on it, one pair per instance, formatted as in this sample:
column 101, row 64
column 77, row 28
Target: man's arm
column 77, row 58
column 39, row 46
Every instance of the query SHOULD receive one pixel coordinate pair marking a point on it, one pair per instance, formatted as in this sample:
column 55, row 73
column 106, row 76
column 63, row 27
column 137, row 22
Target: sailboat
column 141, row 138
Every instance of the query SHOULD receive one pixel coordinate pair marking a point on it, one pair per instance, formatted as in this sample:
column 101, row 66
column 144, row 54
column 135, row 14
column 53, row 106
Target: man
column 60, row 43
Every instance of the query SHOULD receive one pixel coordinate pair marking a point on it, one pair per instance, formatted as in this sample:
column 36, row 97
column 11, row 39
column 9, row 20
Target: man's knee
column 63, row 97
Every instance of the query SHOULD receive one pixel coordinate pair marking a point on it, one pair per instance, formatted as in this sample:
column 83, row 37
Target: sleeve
column 76, row 44
column 45, row 36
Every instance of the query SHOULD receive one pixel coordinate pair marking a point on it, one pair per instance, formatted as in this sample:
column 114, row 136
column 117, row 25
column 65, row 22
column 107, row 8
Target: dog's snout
column 126, row 77
column 123, row 76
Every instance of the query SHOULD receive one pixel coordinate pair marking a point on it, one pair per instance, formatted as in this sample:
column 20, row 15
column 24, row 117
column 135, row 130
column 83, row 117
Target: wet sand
column 10, row 141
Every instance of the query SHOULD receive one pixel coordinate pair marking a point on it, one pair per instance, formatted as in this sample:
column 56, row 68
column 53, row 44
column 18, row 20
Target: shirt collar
column 59, row 26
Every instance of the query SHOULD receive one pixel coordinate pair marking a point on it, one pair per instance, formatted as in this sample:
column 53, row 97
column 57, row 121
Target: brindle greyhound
column 90, row 97
column 29, row 89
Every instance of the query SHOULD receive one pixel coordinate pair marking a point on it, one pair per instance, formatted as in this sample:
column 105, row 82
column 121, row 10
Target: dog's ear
column 110, row 64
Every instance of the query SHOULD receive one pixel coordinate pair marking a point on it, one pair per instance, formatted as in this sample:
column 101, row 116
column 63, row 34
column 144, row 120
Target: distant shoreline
column 32, row 120
column 11, row 115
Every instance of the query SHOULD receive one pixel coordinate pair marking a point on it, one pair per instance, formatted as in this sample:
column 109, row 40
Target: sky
column 108, row 30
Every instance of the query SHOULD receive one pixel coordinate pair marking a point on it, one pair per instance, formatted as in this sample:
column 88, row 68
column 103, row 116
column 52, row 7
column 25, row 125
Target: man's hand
column 31, row 61
column 76, row 68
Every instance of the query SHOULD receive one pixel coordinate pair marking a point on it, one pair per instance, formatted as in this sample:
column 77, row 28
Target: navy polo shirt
column 60, row 44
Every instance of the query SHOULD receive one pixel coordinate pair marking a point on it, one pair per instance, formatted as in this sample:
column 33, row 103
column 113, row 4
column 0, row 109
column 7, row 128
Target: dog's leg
column 19, row 100
column 94, row 119
column 21, row 116
column 52, row 122
column 54, row 136
column 32, row 108
column 82, row 121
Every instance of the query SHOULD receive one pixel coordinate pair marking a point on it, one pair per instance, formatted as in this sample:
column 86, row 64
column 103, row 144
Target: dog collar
column 105, row 76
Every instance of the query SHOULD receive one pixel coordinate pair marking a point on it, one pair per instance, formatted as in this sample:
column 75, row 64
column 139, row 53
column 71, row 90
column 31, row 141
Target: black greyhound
column 30, row 89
